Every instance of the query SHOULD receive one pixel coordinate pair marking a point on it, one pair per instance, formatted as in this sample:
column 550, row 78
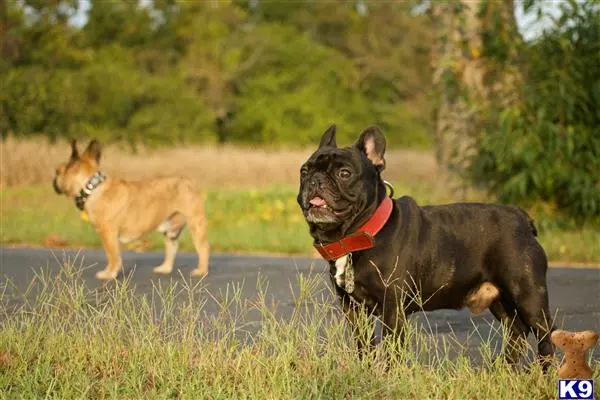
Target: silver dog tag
column 349, row 275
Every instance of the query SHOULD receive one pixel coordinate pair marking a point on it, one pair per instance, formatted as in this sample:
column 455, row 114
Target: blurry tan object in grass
column 32, row 161
column 575, row 345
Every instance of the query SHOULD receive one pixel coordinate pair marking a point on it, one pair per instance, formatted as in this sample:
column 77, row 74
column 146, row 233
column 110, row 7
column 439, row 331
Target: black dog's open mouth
column 318, row 202
column 318, row 205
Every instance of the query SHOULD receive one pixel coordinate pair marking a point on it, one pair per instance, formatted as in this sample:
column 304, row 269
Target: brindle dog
column 122, row 211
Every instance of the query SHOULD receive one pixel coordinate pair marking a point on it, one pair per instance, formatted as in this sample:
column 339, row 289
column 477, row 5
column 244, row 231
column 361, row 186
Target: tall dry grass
column 32, row 161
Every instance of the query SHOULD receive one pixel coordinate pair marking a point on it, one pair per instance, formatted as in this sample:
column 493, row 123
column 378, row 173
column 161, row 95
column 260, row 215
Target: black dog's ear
column 93, row 151
column 328, row 138
column 74, row 152
column 372, row 143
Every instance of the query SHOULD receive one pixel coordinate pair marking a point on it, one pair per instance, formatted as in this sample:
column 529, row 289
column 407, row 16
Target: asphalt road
column 574, row 292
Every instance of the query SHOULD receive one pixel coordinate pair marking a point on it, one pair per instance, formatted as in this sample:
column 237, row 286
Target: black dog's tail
column 530, row 221
column 532, row 226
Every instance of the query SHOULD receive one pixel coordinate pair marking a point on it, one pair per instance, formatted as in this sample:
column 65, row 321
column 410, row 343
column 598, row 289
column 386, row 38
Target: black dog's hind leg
column 535, row 313
column 532, row 305
column 530, row 297
column 516, row 330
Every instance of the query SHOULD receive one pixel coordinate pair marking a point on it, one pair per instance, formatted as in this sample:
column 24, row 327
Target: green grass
column 240, row 220
column 70, row 341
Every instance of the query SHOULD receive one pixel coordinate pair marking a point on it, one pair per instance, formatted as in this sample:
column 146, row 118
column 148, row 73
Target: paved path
column 574, row 293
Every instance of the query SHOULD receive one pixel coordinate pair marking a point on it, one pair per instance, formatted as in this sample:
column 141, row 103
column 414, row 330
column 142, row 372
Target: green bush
column 35, row 100
column 130, row 104
column 170, row 72
column 547, row 146
column 297, row 95
column 110, row 98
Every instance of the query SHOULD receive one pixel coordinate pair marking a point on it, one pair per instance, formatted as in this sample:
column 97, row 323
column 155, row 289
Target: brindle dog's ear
column 93, row 151
column 74, row 152
column 328, row 138
column 372, row 143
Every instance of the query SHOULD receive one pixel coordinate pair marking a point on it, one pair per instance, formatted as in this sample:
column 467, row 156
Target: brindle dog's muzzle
column 56, row 187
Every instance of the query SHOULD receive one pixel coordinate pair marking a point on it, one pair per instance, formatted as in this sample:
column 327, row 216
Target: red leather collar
column 362, row 239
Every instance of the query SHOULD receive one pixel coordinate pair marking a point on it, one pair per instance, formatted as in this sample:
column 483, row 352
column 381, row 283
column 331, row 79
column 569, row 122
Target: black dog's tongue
column 318, row 202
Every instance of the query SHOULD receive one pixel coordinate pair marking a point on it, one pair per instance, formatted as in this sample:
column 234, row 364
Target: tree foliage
column 244, row 71
column 520, row 118
column 546, row 146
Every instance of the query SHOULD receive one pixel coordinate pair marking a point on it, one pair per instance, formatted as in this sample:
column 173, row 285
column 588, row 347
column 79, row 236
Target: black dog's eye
column 344, row 173
column 303, row 172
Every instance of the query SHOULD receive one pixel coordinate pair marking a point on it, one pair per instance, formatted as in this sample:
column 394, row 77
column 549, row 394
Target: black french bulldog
column 450, row 256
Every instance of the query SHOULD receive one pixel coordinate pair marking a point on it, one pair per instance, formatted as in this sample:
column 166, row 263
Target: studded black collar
column 89, row 187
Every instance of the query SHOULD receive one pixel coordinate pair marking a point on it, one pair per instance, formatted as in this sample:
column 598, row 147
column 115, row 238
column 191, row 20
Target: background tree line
column 171, row 71
column 520, row 118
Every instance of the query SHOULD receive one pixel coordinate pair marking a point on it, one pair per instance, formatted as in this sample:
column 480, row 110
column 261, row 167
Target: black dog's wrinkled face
column 338, row 185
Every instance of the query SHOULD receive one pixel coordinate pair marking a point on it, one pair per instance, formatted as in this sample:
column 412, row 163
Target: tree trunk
column 469, row 74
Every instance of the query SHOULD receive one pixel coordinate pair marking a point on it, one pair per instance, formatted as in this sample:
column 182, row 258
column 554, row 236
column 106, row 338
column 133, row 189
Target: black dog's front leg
column 393, row 319
column 357, row 317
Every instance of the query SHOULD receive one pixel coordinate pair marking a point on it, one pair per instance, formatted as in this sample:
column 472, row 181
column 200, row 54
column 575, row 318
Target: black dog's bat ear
column 372, row 143
column 93, row 151
column 328, row 138
column 74, row 152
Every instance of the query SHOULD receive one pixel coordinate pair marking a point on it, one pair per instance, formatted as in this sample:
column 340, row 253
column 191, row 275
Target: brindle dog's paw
column 106, row 275
column 162, row 269
column 199, row 273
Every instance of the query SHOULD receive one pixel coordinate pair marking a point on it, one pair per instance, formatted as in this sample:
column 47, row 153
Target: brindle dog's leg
column 171, row 246
column 176, row 224
column 197, row 225
column 110, row 242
